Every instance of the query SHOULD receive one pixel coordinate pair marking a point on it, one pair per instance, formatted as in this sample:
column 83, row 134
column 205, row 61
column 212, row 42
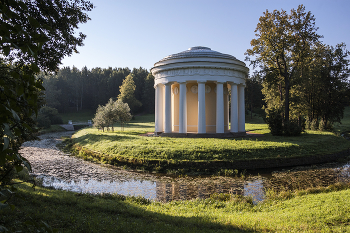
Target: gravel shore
column 47, row 159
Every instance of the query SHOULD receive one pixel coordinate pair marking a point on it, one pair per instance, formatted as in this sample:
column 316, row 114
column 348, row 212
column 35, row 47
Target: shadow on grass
column 69, row 212
column 96, row 138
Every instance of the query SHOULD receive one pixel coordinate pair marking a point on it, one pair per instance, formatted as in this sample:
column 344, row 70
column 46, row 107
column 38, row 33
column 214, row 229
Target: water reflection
column 163, row 191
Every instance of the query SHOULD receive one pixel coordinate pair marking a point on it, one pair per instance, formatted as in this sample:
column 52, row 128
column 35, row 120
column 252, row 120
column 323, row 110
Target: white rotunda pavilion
column 192, row 92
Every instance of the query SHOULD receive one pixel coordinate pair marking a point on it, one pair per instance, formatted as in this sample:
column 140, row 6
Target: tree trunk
column 286, row 100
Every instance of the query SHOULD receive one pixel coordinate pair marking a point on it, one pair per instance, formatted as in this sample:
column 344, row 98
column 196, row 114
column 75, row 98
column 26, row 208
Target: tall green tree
column 35, row 35
column 52, row 93
column 325, row 91
column 127, row 93
column 282, row 45
column 253, row 93
column 148, row 95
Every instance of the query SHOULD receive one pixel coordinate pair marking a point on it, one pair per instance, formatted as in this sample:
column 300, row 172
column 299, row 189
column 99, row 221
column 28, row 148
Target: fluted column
column 159, row 108
column 167, row 110
column 241, row 109
column 220, row 108
column 201, row 108
column 234, row 108
column 182, row 109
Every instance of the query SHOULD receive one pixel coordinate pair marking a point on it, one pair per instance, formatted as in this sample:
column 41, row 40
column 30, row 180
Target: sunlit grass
column 130, row 144
column 72, row 212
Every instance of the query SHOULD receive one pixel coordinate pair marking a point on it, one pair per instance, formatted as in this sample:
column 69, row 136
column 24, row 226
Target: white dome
column 198, row 51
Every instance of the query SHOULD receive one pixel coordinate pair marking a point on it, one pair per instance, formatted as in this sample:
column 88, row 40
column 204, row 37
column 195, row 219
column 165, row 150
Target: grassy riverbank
column 73, row 212
column 128, row 147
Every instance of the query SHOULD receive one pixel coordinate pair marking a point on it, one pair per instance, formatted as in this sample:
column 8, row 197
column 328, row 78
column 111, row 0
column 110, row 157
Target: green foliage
column 325, row 91
column 72, row 90
column 148, row 95
column 279, row 128
column 112, row 112
column 42, row 32
column 303, row 78
column 35, row 35
column 43, row 121
column 292, row 128
column 127, row 93
column 48, row 116
column 51, row 93
column 275, row 122
column 253, row 94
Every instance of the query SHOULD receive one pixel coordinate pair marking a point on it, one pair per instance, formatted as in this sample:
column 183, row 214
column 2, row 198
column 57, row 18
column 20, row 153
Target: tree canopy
column 283, row 43
column 299, row 72
column 127, row 93
column 41, row 32
column 34, row 36
column 114, row 111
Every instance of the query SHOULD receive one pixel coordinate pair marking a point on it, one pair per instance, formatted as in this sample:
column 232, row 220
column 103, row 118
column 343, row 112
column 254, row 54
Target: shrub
column 307, row 123
column 111, row 113
column 48, row 116
column 292, row 128
column 325, row 125
column 56, row 120
column 43, row 121
column 275, row 122
column 314, row 124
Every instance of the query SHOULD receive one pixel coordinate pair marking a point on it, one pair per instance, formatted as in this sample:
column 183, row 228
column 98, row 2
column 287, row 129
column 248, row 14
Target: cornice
column 199, row 71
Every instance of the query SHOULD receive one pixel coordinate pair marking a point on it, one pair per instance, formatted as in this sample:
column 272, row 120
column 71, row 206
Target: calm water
column 164, row 189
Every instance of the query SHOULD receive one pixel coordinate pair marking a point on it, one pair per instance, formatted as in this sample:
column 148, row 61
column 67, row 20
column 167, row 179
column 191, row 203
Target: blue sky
column 138, row 33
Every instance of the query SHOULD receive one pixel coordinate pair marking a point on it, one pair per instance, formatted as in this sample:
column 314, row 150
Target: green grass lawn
column 130, row 145
column 73, row 212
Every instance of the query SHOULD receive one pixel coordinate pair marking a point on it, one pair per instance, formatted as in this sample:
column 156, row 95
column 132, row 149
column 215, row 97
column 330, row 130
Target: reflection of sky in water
column 345, row 173
column 167, row 191
column 143, row 188
column 255, row 189
column 156, row 190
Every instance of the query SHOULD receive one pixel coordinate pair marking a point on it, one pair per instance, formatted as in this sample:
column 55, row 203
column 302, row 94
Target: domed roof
column 198, row 51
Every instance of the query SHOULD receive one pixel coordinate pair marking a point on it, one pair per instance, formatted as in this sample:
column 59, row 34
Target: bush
column 314, row 124
column 48, row 116
column 307, row 123
column 43, row 121
column 278, row 128
column 112, row 112
column 325, row 125
column 275, row 122
column 56, row 120
column 292, row 128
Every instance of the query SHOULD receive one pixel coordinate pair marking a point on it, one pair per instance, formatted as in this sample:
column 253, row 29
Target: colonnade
column 163, row 107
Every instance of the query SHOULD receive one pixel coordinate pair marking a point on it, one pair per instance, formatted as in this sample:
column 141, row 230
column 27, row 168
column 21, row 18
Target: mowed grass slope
column 130, row 144
column 72, row 212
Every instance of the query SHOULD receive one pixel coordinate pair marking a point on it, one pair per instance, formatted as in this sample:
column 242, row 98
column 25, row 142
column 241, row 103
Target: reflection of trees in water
column 197, row 188
column 280, row 181
column 298, row 180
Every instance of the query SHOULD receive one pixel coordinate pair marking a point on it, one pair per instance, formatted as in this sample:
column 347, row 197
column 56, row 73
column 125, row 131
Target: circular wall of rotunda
column 193, row 89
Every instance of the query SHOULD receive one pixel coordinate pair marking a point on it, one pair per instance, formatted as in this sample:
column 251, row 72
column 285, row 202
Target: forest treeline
column 71, row 89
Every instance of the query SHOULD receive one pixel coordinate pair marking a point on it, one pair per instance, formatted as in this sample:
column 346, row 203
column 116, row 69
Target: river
column 56, row 169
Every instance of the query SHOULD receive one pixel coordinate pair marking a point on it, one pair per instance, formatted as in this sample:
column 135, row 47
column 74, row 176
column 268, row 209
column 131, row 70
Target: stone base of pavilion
column 203, row 135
